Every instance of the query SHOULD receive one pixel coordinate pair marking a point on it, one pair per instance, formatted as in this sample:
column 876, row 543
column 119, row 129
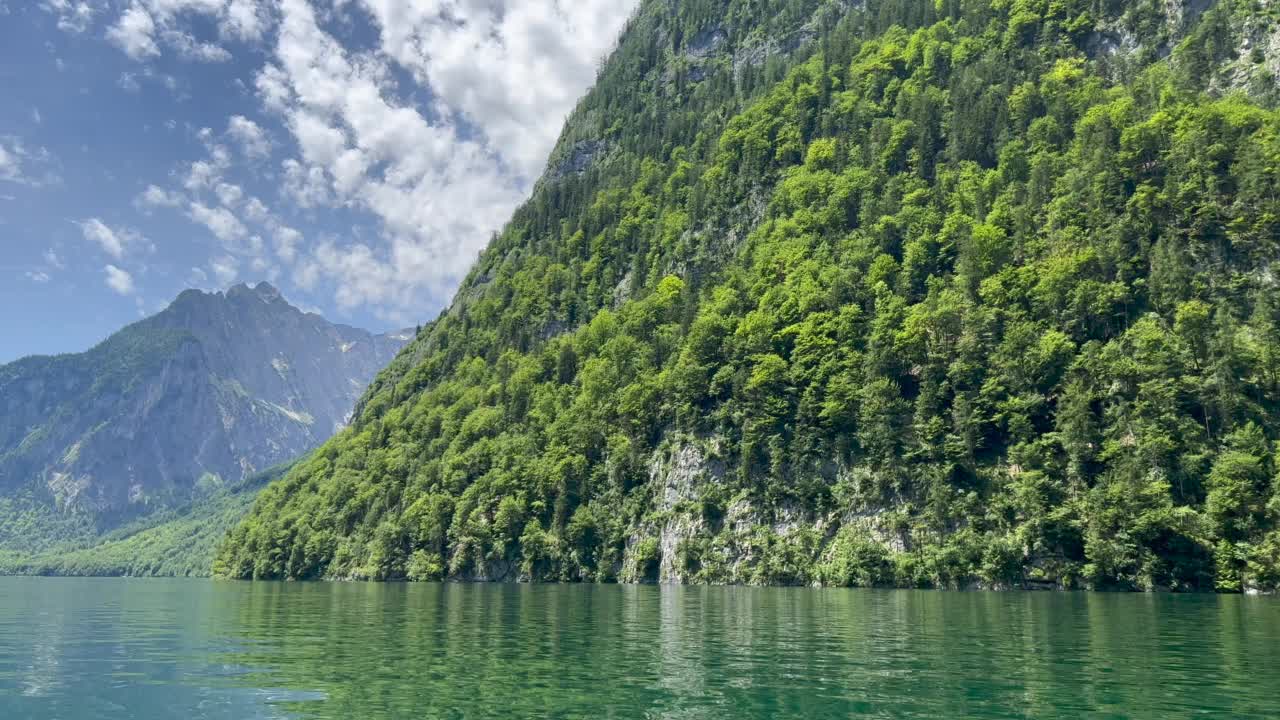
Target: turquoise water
column 144, row 649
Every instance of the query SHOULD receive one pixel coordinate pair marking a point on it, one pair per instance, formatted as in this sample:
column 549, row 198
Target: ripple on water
column 159, row 649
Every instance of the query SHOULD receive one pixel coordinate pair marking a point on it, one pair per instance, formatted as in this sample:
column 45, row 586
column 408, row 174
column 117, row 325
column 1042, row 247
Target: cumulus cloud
column 119, row 280
column 155, row 196
column 273, row 88
column 306, row 186
column 220, row 221
column 73, row 17
column 190, row 48
column 228, row 194
column 256, row 211
column 208, row 197
column 37, row 276
column 410, row 153
column 133, row 33
column 515, row 69
column 225, row 268
column 251, row 138
column 246, row 20
column 205, row 174
column 438, row 196
column 148, row 26
column 287, row 240
column 116, row 242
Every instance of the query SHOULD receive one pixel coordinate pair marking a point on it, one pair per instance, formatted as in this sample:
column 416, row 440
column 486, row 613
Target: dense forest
column 941, row 293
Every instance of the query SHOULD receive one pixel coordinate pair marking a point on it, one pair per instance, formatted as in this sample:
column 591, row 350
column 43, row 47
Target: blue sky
column 356, row 153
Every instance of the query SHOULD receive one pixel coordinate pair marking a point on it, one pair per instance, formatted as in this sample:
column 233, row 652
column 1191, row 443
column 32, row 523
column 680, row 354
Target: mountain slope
column 200, row 396
column 911, row 293
column 176, row 542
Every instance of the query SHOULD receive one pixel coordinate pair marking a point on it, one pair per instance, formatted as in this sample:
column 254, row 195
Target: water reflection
column 160, row 649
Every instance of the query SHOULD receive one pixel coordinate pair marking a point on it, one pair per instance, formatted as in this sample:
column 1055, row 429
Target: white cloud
column 147, row 26
column 51, row 258
column 422, row 175
column 10, row 163
column 287, row 240
column 202, row 174
column 273, row 88
column 225, row 269
column 37, row 276
column 167, row 10
column 220, row 221
column 515, row 69
column 119, row 280
column 246, row 20
column 154, row 197
column 189, row 48
column 36, row 117
column 250, row 136
column 98, row 232
column 438, row 195
column 306, row 186
column 256, row 211
column 228, row 194
column 321, row 143
column 116, row 242
column 133, row 33
column 25, row 165
column 73, row 17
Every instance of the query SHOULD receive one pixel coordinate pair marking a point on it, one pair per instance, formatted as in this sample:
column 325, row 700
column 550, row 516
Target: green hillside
column 173, row 543
column 918, row 293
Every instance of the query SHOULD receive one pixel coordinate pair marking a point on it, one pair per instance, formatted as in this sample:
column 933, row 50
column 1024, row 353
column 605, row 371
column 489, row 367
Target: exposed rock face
column 579, row 159
column 681, row 479
column 212, row 389
column 706, row 42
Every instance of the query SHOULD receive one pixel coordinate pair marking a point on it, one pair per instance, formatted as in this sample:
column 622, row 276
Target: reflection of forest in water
column 152, row 649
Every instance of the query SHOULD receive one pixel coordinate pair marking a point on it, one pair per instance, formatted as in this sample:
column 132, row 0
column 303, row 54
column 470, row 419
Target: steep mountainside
column 203, row 394
column 909, row 292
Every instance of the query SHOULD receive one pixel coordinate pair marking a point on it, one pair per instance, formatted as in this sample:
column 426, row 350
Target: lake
column 149, row 649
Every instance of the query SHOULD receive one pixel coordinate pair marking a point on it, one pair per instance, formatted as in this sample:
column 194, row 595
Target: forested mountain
column 180, row 405
column 910, row 292
column 175, row 541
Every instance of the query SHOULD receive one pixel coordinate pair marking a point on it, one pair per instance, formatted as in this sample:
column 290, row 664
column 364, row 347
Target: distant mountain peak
column 267, row 290
column 264, row 291
column 218, row 384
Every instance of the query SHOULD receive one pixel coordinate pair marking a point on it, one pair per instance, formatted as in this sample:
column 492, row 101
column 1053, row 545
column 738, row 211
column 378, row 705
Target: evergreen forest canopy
column 915, row 293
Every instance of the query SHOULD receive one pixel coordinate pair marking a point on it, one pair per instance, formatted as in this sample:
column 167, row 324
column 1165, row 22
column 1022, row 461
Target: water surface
column 148, row 649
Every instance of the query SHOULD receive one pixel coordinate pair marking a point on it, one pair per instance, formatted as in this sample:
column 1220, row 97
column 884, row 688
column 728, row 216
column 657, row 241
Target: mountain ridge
column 210, row 390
